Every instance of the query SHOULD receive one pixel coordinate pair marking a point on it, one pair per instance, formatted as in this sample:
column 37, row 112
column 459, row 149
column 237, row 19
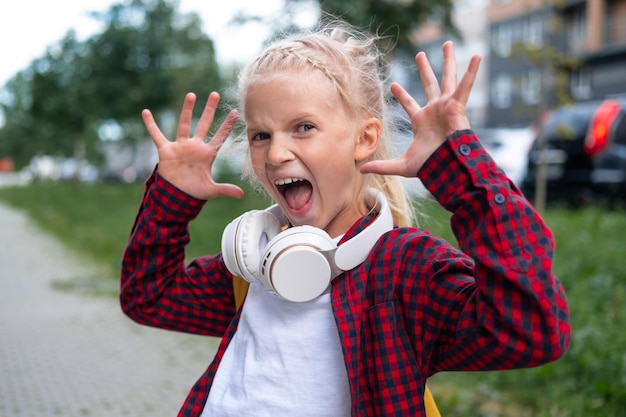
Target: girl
column 398, row 306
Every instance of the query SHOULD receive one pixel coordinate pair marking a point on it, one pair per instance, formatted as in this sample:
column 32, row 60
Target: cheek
column 255, row 158
column 256, row 165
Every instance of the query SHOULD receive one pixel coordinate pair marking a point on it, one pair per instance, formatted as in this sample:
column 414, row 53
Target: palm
column 443, row 114
column 187, row 161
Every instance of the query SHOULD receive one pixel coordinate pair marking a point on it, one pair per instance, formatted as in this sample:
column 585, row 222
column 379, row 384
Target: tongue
column 298, row 194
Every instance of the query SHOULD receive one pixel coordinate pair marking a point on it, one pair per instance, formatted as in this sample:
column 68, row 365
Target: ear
column 369, row 135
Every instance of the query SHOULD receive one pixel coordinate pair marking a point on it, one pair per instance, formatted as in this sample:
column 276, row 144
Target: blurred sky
column 28, row 27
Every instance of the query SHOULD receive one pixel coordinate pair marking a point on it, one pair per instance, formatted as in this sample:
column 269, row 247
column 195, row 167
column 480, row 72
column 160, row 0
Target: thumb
column 386, row 167
column 230, row 190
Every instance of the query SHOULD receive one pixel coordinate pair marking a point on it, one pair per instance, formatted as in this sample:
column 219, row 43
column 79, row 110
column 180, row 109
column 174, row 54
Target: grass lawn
column 590, row 380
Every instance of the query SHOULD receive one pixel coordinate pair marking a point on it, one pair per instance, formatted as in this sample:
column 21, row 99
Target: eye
column 260, row 136
column 305, row 127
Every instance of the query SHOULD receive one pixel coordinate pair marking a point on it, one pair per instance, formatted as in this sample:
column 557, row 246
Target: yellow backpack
column 240, row 287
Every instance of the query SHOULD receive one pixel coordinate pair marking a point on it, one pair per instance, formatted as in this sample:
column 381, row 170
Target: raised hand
column 187, row 161
column 444, row 113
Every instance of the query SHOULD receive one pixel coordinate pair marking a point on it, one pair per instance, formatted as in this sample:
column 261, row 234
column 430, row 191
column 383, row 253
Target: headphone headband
column 354, row 251
column 297, row 263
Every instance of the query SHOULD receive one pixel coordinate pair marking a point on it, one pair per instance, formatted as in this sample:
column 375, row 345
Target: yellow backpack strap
column 429, row 403
column 240, row 287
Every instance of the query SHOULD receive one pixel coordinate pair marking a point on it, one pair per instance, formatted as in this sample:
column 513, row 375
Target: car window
column 568, row 125
column 620, row 130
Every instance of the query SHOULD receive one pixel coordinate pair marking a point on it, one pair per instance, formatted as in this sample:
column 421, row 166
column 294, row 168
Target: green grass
column 95, row 219
column 590, row 380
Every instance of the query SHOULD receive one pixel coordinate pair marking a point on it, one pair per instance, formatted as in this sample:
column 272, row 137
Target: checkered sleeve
column 157, row 287
column 501, row 306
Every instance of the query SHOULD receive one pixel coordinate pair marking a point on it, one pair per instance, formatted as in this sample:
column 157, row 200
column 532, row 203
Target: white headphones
column 296, row 264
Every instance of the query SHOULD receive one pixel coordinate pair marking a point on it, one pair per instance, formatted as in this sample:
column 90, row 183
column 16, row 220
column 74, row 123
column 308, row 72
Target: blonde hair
column 354, row 64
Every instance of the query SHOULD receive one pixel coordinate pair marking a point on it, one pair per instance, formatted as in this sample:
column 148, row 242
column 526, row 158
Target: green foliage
column 148, row 56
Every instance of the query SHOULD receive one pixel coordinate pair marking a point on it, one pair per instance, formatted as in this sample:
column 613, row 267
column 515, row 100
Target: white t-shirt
column 284, row 360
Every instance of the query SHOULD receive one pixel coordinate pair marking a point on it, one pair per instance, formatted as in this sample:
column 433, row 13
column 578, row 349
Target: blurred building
column 544, row 53
column 470, row 16
column 537, row 54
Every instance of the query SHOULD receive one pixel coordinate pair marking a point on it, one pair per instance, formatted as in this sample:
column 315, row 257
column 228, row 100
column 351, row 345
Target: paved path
column 66, row 354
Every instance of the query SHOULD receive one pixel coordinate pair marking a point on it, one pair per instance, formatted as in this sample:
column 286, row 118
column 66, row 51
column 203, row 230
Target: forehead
column 304, row 78
column 305, row 85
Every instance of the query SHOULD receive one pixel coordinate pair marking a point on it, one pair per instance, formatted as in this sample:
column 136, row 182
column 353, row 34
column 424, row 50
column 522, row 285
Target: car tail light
column 598, row 134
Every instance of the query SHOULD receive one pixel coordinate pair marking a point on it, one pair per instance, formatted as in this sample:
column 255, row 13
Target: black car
column 584, row 151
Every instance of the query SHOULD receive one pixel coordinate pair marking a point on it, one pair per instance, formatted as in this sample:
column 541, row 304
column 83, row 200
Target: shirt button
column 499, row 198
column 465, row 150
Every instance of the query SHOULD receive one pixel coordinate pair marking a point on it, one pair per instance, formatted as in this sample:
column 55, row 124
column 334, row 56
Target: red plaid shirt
column 415, row 307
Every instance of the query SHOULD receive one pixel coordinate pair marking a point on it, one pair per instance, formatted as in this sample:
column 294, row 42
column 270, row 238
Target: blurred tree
column 42, row 113
column 395, row 19
column 148, row 56
column 18, row 123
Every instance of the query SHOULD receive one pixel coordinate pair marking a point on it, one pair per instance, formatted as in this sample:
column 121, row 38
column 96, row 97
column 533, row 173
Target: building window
column 501, row 40
column 581, row 83
column 533, row 32
column 577, row 29
column 531, row 87
column 501, row 91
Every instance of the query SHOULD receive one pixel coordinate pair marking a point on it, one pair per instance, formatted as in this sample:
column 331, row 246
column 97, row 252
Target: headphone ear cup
column 244, row 241
column 228, row 247
column 294, row 265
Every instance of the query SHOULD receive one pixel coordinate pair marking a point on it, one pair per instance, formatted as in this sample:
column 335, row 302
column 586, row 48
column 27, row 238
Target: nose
column 279, row 150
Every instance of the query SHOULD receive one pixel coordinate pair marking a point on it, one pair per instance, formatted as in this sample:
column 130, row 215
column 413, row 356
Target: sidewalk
column 63, row 354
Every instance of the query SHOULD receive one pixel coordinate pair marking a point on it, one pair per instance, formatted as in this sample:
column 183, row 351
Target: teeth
column 285, row 181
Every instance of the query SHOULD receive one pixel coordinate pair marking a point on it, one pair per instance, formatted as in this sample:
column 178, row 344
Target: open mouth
column 297, row 192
